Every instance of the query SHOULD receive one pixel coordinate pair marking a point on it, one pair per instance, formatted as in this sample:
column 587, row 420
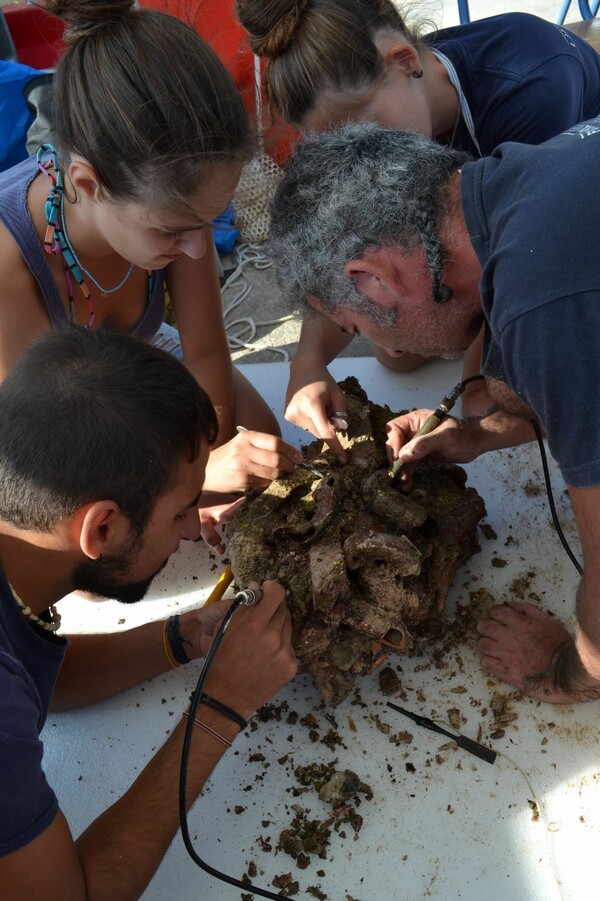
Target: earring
column 442, row 294
column 418, row 74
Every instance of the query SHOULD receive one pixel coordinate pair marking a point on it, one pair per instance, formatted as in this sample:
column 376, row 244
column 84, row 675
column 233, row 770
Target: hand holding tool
column 304, row 464
column 433, row 421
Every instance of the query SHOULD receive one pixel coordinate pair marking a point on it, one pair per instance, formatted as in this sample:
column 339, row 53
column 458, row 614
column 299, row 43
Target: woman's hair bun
column 271, row 24
column 84, row 16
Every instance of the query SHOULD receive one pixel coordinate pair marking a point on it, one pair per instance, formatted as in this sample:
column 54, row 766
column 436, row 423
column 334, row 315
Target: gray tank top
column 14, row 184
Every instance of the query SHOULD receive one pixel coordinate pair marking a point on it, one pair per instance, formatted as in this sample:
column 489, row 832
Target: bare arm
column 237, row 462
column 527, row 648
column 97, row 667
column 312, row 394
column 577, row 667
column 455, row 441
column 475, row 399
column 119, row 852
column 23, row 318
column 196, row 297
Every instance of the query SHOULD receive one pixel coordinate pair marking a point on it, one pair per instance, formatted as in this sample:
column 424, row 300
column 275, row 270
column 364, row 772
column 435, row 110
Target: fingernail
column 298, row 458
column 218, row 549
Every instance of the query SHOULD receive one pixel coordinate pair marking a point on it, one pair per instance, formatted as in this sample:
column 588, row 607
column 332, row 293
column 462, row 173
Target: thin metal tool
column 433, row 421
column 467, row 744
column 304, row 465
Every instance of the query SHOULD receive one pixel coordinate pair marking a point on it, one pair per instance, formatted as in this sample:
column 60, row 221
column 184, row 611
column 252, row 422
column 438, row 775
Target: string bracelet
column 209, row 730
column 175, row 640
column 209, row 701
column 172, row 662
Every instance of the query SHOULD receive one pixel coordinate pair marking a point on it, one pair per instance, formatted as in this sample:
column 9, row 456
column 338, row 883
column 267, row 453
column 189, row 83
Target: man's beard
column 107, row 576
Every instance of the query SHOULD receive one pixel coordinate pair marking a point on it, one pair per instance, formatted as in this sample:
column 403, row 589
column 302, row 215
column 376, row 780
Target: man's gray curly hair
column 354, row 189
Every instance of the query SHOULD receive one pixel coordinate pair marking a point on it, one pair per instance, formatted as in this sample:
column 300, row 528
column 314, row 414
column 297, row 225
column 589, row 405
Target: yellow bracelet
column 172, row 662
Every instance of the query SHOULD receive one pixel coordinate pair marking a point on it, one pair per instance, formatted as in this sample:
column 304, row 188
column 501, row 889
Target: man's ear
column 402, row 55
column 375, row 279
column 84, row 179
column 102, row 528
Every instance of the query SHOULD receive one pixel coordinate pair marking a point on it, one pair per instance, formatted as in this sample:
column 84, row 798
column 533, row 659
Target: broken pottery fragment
column 365, row 564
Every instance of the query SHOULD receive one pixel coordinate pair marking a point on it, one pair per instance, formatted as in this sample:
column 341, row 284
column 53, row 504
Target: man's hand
column 534, row 652
column 256, row 657
column 312, row 397
column 453, row 441
column 197, row 627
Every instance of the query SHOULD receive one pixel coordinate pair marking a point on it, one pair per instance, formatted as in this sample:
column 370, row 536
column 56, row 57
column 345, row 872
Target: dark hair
column 86, row 416
column 355, row 189
column 314, row 44
column 145, row 100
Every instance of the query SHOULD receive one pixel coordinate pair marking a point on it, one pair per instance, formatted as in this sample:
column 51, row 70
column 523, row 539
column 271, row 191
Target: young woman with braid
column 511, row 77
column 151, row 135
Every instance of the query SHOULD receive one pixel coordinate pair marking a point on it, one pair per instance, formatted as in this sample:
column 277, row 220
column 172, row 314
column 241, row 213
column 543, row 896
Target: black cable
column 237, row 601
column 240, row 598
column 565, row 544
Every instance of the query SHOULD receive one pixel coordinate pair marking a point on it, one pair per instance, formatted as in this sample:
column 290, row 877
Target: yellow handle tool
column 221, row 587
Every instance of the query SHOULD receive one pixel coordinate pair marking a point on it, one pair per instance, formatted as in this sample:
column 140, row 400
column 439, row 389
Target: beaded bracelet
column 175, row 640
column 209, row 730
column 224, row 709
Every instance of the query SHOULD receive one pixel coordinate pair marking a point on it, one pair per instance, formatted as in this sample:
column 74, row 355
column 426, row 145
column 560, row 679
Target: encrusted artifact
column 365, row 564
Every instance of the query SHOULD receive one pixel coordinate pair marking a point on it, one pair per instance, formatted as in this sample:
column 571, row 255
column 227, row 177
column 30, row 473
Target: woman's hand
column 212, row 514
column 248, row 463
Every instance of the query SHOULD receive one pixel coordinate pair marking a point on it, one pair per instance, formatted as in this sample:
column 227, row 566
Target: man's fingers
column 495, row 667
column 488, row 646
column 490, row 628
column 526, row 609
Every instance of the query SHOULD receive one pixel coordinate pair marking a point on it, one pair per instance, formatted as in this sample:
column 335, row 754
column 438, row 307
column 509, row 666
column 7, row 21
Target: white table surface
column 456, row 829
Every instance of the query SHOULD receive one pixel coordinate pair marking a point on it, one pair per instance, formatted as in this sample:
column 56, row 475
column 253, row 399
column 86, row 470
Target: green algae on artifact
column 364, row 563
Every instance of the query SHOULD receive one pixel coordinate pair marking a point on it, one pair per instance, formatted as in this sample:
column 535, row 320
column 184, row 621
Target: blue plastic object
column 224, row 231
column 15, row 115
column 585, row 10
column 463, row 11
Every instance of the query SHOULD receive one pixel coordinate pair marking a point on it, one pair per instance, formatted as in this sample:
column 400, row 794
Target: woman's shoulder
column 18, row 176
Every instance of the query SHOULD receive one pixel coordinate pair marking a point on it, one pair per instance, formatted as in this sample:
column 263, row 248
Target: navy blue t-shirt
column 524, row 79
column 532, row 213
column 29, row 663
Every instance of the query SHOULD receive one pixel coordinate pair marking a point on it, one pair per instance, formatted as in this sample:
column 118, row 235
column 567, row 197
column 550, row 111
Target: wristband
column 175, row 640
column 209, row 731
column 224, row 709
column 166, row 643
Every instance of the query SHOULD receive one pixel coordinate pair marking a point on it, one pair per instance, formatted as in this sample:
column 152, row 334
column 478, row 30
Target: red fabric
column 38, row 39
column 36, row 35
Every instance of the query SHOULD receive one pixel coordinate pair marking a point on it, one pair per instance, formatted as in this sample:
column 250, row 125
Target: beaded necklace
column 51, row 626
column 56, row 239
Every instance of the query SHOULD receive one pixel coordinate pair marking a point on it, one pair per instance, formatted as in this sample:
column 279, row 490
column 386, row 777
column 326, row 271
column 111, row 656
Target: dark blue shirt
column 29, row 663
column 532, row 213
column 524, row 79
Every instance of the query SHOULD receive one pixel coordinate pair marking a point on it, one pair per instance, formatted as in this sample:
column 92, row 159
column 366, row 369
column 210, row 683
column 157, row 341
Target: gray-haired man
column 391, row 235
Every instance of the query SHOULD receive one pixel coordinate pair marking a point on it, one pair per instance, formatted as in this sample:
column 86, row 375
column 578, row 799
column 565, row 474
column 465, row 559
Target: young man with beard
column 103, row 446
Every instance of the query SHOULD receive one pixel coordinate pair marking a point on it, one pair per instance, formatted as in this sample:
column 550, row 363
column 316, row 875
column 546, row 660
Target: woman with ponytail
column 151, row 135
column 512, row 77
